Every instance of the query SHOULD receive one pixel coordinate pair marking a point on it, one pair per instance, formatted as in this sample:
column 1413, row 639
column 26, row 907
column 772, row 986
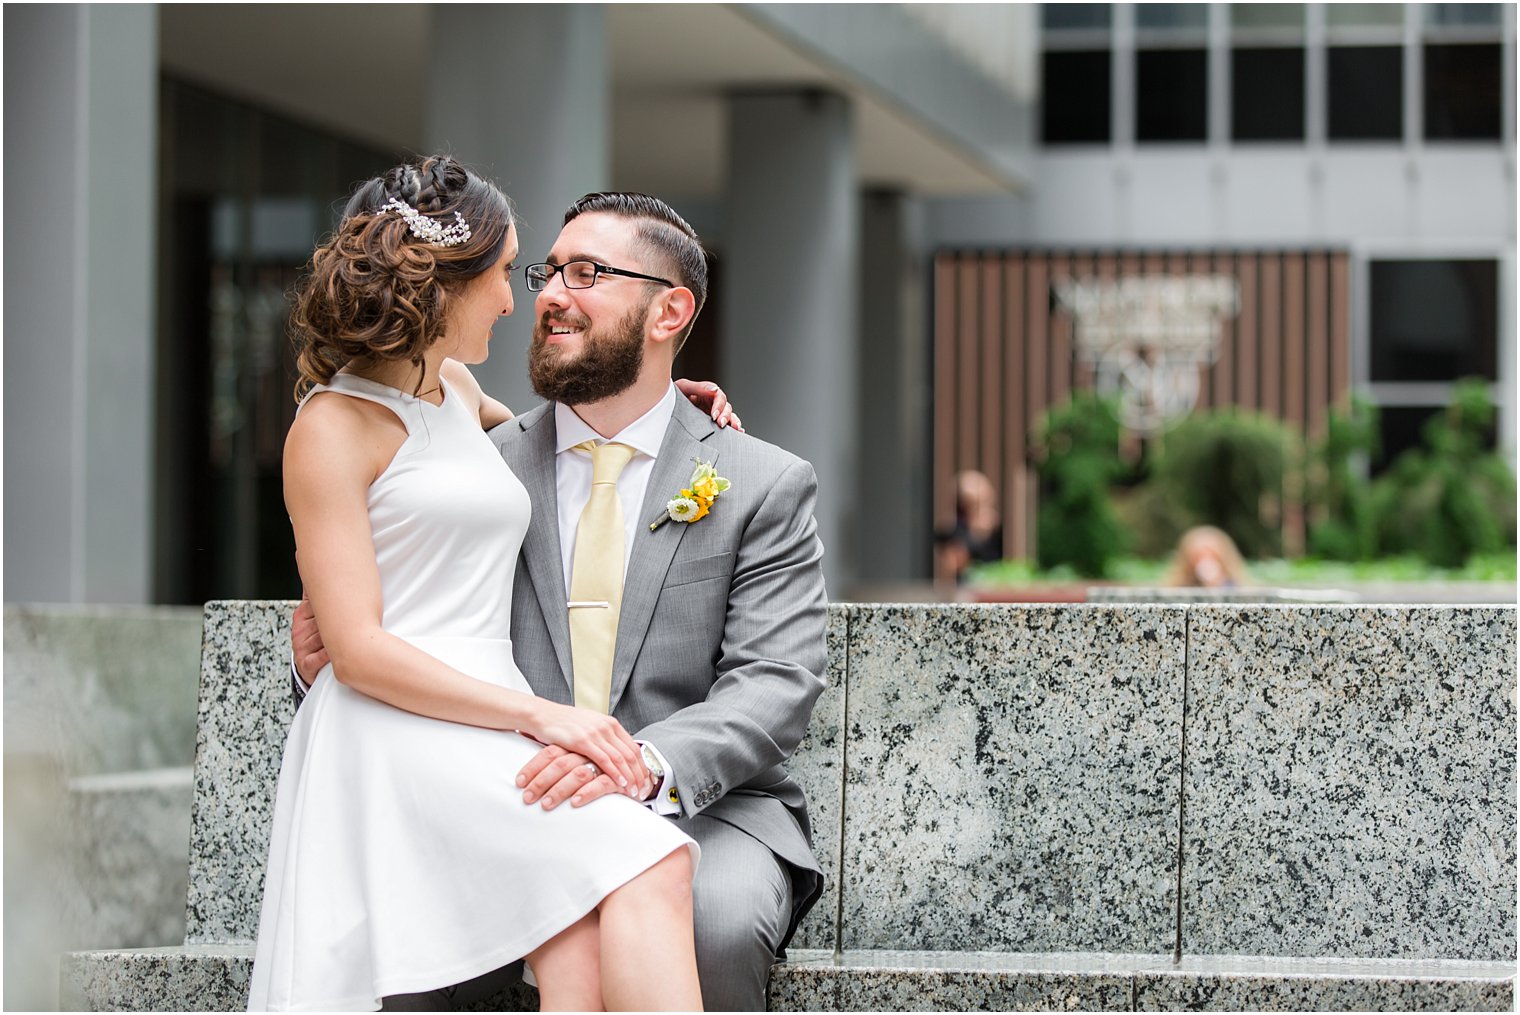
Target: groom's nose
column 553, row 296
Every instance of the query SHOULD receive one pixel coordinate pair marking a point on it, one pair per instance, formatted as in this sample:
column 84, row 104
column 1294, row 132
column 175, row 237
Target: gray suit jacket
column 720, row 646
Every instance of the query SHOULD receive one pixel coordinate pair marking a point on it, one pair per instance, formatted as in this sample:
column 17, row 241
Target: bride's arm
column 332, row 455
column 492, row 413
column 705, row 395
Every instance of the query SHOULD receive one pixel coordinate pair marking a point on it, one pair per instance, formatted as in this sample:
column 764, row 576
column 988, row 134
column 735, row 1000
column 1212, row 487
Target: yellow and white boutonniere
column 693, row 503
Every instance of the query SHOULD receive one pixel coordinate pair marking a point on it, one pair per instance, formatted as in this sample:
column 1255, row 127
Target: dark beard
column 609, row 362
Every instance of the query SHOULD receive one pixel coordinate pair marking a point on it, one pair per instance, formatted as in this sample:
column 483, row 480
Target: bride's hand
column 600, row 738
column 708, row 397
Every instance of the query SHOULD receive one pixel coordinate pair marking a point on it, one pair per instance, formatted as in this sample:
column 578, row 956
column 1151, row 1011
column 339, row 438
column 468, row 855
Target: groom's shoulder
column 514, row 429
column 757, row 458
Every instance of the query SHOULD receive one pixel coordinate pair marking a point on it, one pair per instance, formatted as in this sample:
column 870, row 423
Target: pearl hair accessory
column 429, row 230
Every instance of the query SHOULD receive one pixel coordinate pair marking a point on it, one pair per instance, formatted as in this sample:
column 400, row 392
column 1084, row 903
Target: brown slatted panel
column 1106, row 268
column 1317, row 398
column 1270, row 335
column 1294, row 361
column 1037, row 337
column 1178, row 265
column 1340, row 329
column 966, row 361
column 1247, row 347
column 1001, row 360
column 1059, row 384
column 943, row 470
column 1222, row 390
column 1017, row 485
column 991, row 459
column 1294, row 366
column 1084, row 266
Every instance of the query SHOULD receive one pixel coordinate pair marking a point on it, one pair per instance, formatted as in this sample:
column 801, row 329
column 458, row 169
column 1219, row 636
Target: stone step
column 215, row 978
column 1075, row 981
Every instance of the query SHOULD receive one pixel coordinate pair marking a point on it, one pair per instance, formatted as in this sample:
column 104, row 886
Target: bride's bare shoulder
column 459, row 377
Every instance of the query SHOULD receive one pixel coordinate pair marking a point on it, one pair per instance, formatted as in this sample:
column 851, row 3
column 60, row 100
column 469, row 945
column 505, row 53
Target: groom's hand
column 556, row 775
column 306, row 642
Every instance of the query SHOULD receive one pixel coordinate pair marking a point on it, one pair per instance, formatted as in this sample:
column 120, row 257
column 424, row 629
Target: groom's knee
column 742, row 907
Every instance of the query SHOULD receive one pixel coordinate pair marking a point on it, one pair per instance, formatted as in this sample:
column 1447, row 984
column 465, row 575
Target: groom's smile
column 555, row 330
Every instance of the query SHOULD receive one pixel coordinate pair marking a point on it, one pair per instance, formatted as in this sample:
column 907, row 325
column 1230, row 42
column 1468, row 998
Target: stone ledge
column 215, row 978
column 183, row 978
column 992, row 981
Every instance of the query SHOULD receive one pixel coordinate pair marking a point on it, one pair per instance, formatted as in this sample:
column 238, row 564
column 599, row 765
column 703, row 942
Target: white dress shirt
column 572, row 480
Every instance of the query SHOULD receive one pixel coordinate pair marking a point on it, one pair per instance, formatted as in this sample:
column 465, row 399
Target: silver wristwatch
column 652, row 762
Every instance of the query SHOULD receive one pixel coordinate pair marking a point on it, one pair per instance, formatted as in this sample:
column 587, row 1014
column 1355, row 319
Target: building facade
column 181, row 161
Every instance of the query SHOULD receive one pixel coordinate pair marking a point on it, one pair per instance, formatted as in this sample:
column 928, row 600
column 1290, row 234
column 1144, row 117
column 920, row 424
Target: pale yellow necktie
column 596, row 577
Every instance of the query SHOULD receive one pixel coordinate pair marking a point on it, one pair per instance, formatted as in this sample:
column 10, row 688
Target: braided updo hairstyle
column 374, row 291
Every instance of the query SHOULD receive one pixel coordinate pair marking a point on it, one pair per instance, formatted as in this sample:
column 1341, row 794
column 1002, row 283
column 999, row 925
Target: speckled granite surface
column 245, row 710
column 818, row 767
column 953, row 981
column 1351, row 782
column 971, row 981
column 190, row 978
column 215, row 978
column 1012, row 778
column 1233, row 983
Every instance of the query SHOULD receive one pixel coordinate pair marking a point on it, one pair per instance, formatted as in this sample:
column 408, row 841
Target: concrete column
column 81, row 131
column 519, row 92
column 790, row 275
column 894, row 470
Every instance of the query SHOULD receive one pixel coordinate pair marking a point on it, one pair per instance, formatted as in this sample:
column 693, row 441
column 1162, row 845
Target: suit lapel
column 653, row 551
column 534, row 465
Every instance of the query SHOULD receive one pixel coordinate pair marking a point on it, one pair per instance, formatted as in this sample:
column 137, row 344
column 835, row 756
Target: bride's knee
column 669, row 879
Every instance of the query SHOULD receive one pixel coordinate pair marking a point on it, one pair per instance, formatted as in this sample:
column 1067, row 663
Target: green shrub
column 1077, row 447
column 1450, row 498
column 1226, row 469
column 1345, row 526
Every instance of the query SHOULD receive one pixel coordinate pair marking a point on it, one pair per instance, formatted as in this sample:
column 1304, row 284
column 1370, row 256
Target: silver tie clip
column 588, row 604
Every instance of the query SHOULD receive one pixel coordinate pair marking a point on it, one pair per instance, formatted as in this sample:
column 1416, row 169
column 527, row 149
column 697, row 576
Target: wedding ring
column 591, row 767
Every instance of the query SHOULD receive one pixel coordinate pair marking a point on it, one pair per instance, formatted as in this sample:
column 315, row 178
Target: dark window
column 1059, row 16
column 1462, row 91
column 1172, row 95
column 1267, row 94
column 1434, row 320
column 1366, row 93
column 1076, row 96
column 245, row 196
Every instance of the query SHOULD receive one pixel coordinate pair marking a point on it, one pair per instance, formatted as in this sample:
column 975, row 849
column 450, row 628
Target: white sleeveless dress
column 402, row 858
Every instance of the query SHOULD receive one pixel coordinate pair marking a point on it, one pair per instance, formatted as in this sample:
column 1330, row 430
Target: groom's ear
column 670, row 313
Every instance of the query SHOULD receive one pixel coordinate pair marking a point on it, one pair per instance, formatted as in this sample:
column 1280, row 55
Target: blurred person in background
column 977, row 537
column 1207, row 558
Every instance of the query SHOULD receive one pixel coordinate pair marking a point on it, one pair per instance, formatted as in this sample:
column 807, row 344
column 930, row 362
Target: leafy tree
column 1226, row 469
column 1347, row 526
column 1077, row 452
column 1450, row 498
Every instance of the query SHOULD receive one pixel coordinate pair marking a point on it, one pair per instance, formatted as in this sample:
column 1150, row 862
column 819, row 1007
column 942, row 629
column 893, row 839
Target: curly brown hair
column 374, row 291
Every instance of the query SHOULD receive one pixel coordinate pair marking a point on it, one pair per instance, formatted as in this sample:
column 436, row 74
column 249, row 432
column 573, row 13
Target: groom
column 719, row 647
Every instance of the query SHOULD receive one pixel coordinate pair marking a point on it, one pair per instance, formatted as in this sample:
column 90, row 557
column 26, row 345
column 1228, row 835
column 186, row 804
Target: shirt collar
column 644, row 435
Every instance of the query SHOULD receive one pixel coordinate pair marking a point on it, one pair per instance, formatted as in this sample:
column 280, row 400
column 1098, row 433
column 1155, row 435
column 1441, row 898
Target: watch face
column 652, row 763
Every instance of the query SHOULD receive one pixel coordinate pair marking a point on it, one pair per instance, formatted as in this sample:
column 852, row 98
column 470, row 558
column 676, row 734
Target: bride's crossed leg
column 634, row 952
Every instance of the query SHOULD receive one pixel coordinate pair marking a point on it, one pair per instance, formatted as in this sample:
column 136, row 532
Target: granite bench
column 1072, row 807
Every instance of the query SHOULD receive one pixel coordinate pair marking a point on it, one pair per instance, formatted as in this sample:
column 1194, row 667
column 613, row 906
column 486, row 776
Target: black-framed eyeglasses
column 581, row 274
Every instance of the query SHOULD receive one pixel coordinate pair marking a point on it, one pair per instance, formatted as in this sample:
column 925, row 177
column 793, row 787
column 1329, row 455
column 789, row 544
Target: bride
column 402, row 857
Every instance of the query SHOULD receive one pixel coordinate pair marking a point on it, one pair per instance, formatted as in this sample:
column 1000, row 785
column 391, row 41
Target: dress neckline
column 443, row 386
